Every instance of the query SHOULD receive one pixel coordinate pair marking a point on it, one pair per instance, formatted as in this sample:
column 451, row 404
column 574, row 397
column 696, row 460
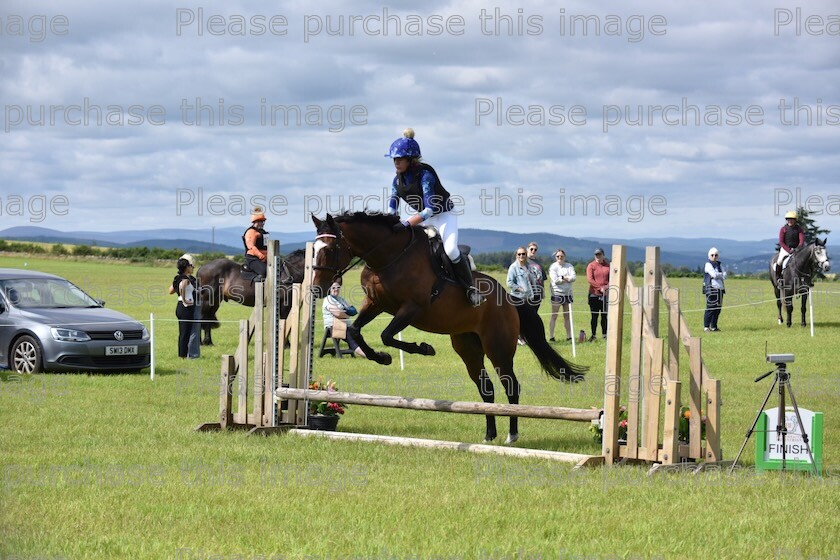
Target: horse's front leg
column 804, row 304
column 789, row 309
column 402, row 319
column 368, row 313
column 779, row 306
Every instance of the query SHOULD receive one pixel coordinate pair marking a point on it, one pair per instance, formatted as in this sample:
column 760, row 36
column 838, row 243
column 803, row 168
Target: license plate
column 120, row 350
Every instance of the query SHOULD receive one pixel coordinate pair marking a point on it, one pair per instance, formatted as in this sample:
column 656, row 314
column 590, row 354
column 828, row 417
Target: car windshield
column 26, row 293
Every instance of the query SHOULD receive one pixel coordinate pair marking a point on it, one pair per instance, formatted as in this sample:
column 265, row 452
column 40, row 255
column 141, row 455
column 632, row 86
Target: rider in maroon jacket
column 791, row 236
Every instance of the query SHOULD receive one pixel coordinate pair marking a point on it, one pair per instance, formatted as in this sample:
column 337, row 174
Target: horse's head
column 332, row 254
column 821, row 255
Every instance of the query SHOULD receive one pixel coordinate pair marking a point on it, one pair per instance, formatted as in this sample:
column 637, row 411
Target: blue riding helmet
column 404, row 147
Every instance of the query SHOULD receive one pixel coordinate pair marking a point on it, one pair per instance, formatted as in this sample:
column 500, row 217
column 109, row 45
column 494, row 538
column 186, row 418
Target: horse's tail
column 532, row 330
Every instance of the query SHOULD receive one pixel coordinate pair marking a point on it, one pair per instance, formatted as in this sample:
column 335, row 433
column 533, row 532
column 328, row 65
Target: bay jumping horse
column 222, row 280
column 399, row 278
column 798, row 276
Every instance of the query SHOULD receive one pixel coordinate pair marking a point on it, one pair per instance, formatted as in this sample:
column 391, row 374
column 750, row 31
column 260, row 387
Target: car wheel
column 26, row 355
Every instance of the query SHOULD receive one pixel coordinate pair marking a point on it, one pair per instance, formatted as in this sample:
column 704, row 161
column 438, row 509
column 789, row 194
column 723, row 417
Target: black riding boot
column 462, row 270
column 779, row 277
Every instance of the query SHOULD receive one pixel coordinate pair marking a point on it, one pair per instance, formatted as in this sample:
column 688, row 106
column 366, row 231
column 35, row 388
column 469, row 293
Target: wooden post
column 672, row 300
column 241, row 416
column 307, row 324
column 653, row 286
column 670, row 431
column 713, row 421
column 696, row 391
column 226, row 392
column 612, row 374
column 652, row 394
column 635, row 377
column 259, row 369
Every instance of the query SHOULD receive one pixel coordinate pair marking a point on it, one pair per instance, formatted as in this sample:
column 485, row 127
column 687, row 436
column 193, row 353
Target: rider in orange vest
column 256, row 250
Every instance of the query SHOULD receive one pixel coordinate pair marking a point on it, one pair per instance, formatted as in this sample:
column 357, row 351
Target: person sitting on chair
column 418, row 185
column 256, row 250
column 791, row 236
column 336, row 307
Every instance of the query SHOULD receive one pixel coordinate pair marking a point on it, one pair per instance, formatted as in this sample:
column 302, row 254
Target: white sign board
column 795, row 448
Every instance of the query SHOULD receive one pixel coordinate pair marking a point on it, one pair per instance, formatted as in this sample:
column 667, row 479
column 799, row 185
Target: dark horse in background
column 400, row 279
column 223, row 280
column 798, row 276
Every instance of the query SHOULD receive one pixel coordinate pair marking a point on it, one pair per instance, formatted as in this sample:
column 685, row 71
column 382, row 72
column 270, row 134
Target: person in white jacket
column 713, row 276
column 561, row 275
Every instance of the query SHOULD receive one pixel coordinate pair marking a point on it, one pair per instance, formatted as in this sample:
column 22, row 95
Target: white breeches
column 447, row 225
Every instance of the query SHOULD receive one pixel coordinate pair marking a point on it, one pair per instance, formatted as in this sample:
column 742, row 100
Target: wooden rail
column 496, row 409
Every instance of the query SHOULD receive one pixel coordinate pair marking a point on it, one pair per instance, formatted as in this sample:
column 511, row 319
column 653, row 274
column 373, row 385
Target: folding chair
column 337, row 333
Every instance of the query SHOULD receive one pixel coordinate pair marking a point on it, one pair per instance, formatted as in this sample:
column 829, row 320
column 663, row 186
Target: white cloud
column 712, row 55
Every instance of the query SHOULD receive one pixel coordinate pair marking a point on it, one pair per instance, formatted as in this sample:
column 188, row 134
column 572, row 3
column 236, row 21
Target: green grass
column 108, row 466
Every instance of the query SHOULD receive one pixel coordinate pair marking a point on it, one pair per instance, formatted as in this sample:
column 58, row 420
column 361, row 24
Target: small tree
column 812, row 230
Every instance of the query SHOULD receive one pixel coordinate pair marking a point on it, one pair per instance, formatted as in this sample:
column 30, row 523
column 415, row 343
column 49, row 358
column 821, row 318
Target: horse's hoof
column 383, row 358
column 512, row 438
column 488, row 439
column 781, row 322
column 427, row 349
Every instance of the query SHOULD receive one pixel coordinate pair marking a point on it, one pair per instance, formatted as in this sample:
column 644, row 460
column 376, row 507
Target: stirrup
column 474, row 297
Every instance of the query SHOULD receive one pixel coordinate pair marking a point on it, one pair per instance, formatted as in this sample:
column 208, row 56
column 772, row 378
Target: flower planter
column 322, row 422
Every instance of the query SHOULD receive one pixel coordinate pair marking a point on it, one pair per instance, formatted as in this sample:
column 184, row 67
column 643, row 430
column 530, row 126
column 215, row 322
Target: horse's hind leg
column 468, row 347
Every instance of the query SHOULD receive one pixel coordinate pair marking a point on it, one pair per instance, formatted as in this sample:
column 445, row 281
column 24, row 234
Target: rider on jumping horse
column 418, row 185
column 791, row 236
column 256, row 250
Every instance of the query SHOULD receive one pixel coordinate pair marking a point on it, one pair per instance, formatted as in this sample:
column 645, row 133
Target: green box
column 767, row 452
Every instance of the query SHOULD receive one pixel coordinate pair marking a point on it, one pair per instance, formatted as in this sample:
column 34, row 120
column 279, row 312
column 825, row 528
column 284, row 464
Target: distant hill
column 745, row 257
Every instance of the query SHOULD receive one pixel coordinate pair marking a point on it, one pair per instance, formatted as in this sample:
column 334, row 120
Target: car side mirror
column 2, row 307
column 101, row 302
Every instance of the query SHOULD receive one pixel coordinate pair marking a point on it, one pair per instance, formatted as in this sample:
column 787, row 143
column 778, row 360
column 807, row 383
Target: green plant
column 685, row 423
column 598, row 432
column 325, row 408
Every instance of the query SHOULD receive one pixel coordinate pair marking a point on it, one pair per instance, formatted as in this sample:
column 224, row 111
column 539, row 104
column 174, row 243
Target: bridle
column 806, row 273
column 337, row 272
column 339, row 237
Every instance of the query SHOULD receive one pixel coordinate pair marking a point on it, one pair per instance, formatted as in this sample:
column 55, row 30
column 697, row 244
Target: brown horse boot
column 779, row 277
column 462, row 270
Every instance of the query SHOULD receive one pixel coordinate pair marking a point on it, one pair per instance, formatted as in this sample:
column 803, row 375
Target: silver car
column 49, row 324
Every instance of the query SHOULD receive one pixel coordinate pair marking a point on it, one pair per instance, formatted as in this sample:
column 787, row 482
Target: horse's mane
column 365, row 216
column 296, row 254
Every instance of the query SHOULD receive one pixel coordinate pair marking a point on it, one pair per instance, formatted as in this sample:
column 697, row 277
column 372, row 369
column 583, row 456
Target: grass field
column 108, row 466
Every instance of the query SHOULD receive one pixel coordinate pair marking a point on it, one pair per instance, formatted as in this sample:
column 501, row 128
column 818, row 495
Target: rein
column 340, row 238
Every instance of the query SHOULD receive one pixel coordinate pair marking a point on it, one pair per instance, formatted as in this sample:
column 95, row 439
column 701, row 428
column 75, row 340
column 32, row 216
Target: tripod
column 782, row 380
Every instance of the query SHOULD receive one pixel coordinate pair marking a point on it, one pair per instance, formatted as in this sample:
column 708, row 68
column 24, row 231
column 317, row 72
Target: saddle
column 250, row 276
column 441, row 263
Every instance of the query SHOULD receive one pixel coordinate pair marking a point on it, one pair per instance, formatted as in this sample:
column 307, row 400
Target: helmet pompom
column 408, row 133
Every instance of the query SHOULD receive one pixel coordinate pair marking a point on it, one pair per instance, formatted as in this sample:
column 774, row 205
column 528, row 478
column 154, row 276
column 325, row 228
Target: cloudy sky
column 628, row 119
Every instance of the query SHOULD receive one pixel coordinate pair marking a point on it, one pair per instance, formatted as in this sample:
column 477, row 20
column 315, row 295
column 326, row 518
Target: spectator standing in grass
column 713, row 277
column 598, row 275
column 561, row 275
column 184, row 284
